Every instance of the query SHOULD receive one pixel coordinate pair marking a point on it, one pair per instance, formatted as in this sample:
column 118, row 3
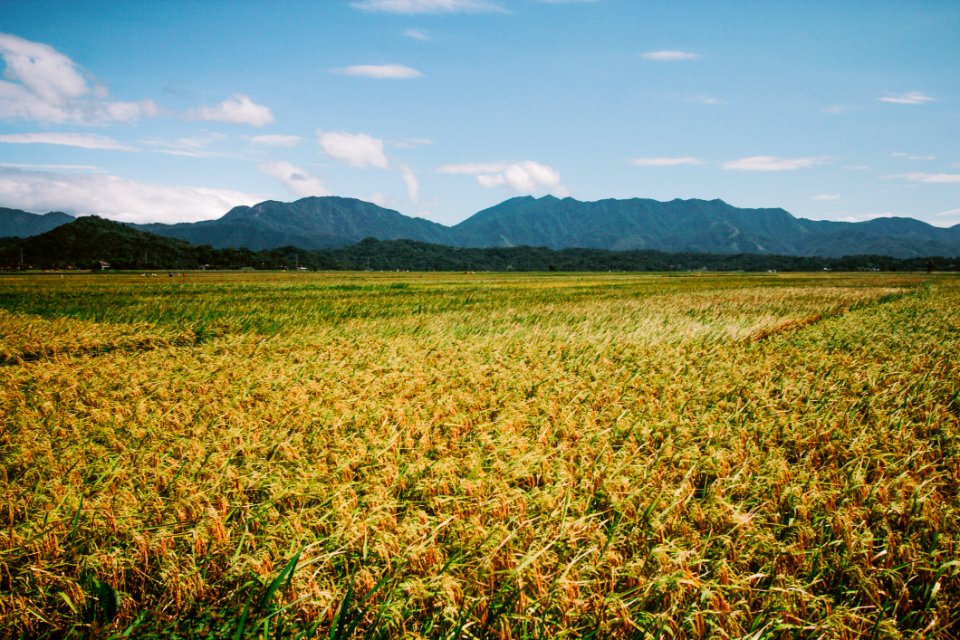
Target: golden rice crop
column 480, row 455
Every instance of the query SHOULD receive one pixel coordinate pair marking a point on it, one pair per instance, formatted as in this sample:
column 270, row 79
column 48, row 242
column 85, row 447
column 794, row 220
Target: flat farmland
column 480, row 455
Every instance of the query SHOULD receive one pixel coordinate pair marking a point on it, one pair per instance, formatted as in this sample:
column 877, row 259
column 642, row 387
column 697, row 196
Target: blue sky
column 176, row 111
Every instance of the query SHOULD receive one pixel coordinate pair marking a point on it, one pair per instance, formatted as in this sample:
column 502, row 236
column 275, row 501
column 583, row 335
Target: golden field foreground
column 480, row 455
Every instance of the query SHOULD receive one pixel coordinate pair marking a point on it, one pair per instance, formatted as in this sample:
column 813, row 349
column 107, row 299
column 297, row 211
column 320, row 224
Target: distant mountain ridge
column 704, row 226
column 15, row 223
column 98, row 244
column 309, row 223
column 698, row 226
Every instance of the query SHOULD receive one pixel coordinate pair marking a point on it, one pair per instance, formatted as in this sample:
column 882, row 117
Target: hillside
column 87, row 241
column 677, row 226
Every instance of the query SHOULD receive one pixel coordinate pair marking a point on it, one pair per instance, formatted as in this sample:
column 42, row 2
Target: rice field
column 480, row 456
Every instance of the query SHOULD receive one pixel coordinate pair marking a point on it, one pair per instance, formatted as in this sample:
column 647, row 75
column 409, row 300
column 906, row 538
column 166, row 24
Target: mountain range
column 698, row 226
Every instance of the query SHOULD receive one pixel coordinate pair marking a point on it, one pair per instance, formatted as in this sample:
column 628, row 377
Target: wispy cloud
column 949, row 217
column 669, row 55
column 411, row 182
column 908, row 156
column 189, row 147
column 381, row 71
column 771, row 163
column 276, row 140
column 417, row 34
column 43, row 85
column 356, row 149
column 429, row 6
column 84, row 141
column 114, row 197
column 523, row 177
column 827, row 197
column 930, row 178
column 299, row 182
column 50, row 167
column 237, row 109
column 912, row 97
column 410, row 143
column 666, row 162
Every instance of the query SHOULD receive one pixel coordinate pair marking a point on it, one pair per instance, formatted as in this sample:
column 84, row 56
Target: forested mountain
column 703, row 226
column 309, row 223
column 95, row 243
column 684, row 226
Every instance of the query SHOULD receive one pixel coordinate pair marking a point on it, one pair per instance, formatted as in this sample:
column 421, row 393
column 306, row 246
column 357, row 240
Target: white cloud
column 298, row 181
column 826, row 197
column 669, row 55
column 666, row 162
column 907, row 156
column 931, row 178
column 126, row 111
column 381, row 71
column 114, row 197
column 428, row 6
column 912, row 97
column 189, row 147
column 84, row 141
column 410, row 143
column 523, row 177
column 771, row 163
column 238, row 109
column 411, row 181
column 417, row 34
column 276, row 140
column 42, row 70
column 356, row 149
column 43, row 85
